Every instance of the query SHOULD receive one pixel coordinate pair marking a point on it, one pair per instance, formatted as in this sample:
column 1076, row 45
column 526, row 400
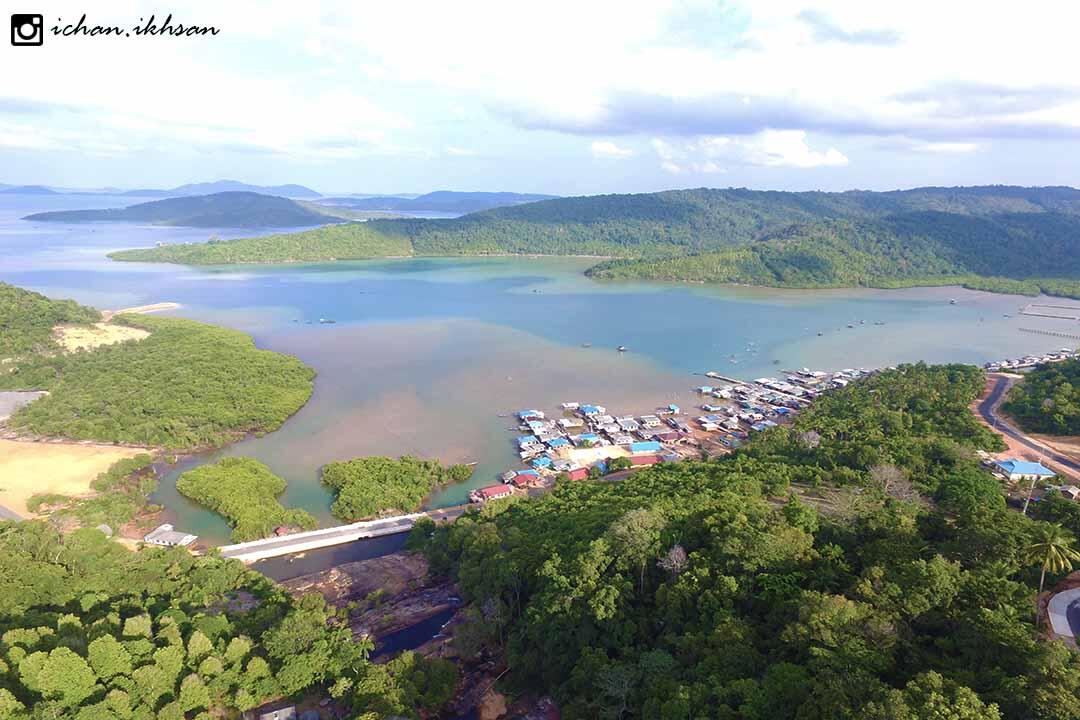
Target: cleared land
column 87, row 337
column 29, row 468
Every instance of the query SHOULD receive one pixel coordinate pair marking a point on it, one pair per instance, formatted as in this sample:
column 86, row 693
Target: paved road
column 988, row 410
column 335, row 536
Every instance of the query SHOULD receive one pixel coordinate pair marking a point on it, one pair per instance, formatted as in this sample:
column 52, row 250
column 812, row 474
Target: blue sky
column 574, row 97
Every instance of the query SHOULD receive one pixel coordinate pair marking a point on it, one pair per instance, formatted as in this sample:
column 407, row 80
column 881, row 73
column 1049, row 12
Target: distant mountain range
column 207, row 188
column 1010, row 239
column 26, row 190
column 446, row 201
column 223, row 209
column 203, row 188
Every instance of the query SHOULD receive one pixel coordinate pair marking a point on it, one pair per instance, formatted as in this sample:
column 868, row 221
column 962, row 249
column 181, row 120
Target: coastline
column 982, row 283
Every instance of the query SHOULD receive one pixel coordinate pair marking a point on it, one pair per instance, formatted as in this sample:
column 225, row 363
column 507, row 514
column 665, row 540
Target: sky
column 569, row 98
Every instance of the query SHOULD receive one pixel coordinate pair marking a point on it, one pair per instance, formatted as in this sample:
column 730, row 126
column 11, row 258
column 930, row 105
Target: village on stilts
column 586, row 440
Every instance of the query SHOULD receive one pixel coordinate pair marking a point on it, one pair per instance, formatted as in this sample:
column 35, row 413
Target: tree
column 108, row 657
column 66, row 678
column 929, row 696
column 198, row 647
column 635, row 537
column 674, row 561
column 1054, row 550
column 193, row 694
column 891, row 481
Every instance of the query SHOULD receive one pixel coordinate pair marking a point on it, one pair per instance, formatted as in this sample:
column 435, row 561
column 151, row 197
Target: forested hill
column 27, row 319
column 810, row 239
column 224, row 209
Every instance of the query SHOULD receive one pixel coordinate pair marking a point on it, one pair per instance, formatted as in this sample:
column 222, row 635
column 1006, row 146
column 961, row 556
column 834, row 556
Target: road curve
column 988, row 410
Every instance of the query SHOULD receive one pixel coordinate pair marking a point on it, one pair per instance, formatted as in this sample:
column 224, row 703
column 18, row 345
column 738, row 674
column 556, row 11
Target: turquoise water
column 427, row 353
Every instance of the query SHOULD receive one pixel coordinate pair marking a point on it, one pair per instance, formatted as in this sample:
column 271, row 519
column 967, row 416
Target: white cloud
column 742, row 84
column 934, row 148
column 608, row 149
column 769, row 148
column 460, row 151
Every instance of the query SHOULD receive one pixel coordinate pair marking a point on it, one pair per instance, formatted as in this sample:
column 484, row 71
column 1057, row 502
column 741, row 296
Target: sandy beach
column 108, row 315
column 29, row 468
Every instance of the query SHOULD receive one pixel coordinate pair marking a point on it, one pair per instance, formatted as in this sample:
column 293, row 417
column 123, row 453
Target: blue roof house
column 558, row 442
column 589, row 410
column 645, row 446
column 541, row 462
column 1024, row 470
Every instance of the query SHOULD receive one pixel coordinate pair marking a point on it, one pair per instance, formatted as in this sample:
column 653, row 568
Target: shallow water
column 427, row 353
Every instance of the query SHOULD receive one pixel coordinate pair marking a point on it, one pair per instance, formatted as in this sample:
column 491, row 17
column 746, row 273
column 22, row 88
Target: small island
column 223, row 209
column 373, row 486
column 245, row 492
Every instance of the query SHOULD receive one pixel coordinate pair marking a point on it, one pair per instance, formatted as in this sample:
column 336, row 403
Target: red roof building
column 578, row 473
column 638, row 460
column 494, row 492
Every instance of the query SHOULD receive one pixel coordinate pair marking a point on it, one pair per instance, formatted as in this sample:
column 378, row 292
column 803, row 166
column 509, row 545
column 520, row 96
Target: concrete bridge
column 325, row 537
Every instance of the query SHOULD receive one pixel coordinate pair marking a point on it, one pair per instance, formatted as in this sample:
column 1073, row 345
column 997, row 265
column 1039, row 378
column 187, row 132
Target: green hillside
column 813, row 239
column 27, row 319
column 224, row 209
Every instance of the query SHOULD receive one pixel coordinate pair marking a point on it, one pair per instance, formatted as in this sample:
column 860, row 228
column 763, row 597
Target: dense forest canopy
column 187, row 385
column 92, row 631
column 27, row 319
column 223, row 209
column 371, row 486
column 1047, row 400
column 787, row 239
column 710, row 590
column 245, row 492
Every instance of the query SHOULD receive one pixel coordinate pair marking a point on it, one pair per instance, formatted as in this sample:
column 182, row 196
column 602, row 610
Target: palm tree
column 1054, row 549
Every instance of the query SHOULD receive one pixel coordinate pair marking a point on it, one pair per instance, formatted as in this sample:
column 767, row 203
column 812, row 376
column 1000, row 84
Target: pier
column 1044, row 310
column 325, row 537
column 1055, row 333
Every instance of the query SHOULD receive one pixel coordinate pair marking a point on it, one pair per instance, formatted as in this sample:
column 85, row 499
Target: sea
column 433, row 356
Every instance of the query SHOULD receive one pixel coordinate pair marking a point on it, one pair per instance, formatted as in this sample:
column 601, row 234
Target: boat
column 326, row 321
column 622, row 348
column 586, row 345
column 952, row 301
column 820, row 333
column 850, row 326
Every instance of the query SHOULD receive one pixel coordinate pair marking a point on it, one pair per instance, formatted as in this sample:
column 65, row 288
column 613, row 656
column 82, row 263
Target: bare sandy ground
column 1068, row 445
column 29, row 468
column 87, row 337
column 139, row 309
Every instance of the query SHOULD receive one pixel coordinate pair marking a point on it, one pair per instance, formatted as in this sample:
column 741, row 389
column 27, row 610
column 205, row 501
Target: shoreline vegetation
column 732, row 588
column 185, row 386
column 245, row 492
column 140, row 386
column 370, row 487
column 980, row 237
column 1047, row 400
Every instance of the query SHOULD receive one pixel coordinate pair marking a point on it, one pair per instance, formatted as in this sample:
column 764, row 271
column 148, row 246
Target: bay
column 425, row 354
